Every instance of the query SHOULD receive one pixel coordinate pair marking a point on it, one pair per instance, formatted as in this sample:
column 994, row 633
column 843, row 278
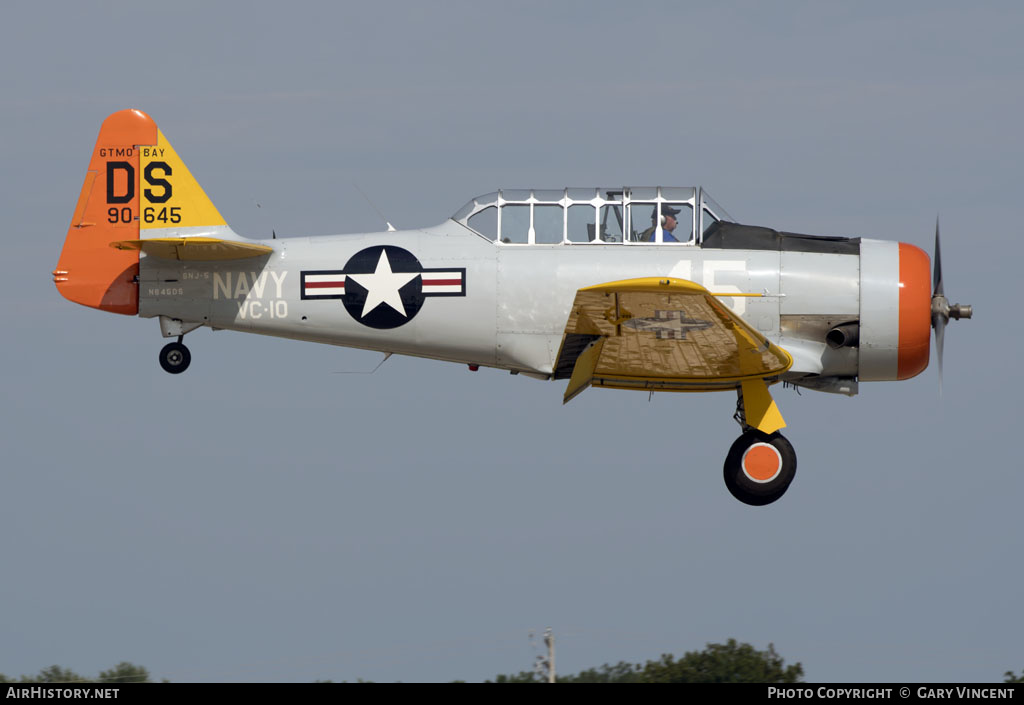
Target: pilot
column 668, row 224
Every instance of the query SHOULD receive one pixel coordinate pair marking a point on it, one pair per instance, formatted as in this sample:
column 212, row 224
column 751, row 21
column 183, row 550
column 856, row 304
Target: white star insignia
column 382, row 286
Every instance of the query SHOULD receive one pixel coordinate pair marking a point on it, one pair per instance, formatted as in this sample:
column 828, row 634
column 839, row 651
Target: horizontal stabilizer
column 194, row 249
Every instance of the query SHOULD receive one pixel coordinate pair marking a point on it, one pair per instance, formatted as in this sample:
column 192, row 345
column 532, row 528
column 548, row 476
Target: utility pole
column 549, row 641
column 545, row 667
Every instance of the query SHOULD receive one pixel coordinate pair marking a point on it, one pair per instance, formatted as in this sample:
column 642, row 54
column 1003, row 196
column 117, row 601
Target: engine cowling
column 895, row 310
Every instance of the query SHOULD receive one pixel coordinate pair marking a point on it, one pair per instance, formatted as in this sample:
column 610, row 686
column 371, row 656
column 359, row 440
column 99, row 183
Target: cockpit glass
column 707, row 220
column 683, row 231
column 611, row 222
column 477, row 204
column 547, row 224
column 581, row 221
column 712, row 206
column 515, row 223
column 642, row 193
column 515, row 194
column 590, row 215
column 485, row 222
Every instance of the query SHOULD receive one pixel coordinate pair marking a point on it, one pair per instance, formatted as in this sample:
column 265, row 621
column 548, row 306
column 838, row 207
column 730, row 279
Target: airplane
column 639, row 288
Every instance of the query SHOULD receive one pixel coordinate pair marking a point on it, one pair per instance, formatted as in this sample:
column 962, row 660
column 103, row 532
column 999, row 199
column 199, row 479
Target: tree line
column 123, row 672
column 731, row 662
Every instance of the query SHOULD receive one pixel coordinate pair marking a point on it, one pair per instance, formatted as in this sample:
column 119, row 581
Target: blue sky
column 264, row 518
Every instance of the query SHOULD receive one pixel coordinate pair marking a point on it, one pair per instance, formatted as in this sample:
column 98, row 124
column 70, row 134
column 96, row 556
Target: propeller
column 942, row 311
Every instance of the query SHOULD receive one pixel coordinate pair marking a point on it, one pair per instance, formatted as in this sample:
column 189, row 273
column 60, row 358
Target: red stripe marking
column 325, row 285
column 441, row 282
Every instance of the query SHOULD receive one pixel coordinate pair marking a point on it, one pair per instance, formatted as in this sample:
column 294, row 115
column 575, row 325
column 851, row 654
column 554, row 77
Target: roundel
column 383, row 286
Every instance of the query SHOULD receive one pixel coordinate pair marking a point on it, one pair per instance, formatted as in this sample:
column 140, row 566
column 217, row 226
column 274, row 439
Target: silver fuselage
column 517, row 298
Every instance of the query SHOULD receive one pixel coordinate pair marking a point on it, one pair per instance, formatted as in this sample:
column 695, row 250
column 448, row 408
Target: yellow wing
column 666, row 335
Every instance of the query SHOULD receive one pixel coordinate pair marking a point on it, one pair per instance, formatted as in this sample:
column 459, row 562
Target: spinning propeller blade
column 942, row 311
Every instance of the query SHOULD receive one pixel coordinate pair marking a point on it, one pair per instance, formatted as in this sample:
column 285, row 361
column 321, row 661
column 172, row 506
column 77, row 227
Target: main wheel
column 175, row 358
column 759, row 467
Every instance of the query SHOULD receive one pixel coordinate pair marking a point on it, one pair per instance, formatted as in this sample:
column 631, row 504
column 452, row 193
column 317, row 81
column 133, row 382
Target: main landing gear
column 761, row 463
column 175, row 357
column 759, row 467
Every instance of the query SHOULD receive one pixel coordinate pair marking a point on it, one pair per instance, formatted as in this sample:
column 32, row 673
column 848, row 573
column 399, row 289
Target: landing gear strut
column 761, row 463
column 175, row 357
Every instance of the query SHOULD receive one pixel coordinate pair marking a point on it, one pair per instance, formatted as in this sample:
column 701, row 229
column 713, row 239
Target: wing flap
column 583, row 370
column 664, row 334
column 194, row 249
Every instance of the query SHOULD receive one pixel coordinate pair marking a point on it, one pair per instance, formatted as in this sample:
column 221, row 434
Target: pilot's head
column 668, row 216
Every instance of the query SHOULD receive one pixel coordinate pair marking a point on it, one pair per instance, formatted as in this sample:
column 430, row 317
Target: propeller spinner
column 942, row 311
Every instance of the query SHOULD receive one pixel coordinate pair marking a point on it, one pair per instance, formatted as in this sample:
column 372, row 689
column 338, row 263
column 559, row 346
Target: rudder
column 136, row 188
column 89, row 272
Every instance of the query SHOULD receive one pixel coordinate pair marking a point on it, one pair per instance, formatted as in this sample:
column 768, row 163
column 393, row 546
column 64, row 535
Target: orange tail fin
column 90, row 272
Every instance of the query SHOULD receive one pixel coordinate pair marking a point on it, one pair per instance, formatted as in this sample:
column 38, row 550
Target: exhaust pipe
column 845, row 335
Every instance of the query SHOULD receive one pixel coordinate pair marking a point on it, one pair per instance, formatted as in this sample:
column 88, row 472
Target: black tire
column 175, row 358
column 759, row 486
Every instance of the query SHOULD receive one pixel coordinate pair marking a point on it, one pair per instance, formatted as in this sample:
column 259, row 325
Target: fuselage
column 506, row 306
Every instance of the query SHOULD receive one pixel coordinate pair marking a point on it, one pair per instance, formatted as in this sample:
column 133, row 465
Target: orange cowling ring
column 915, row 311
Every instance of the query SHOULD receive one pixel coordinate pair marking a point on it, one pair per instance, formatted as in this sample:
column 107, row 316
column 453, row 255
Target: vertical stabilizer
column 137, row 187
column 90, row 272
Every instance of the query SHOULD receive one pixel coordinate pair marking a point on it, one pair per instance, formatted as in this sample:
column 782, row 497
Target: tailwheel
column 175, row 358
column 759, row 467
